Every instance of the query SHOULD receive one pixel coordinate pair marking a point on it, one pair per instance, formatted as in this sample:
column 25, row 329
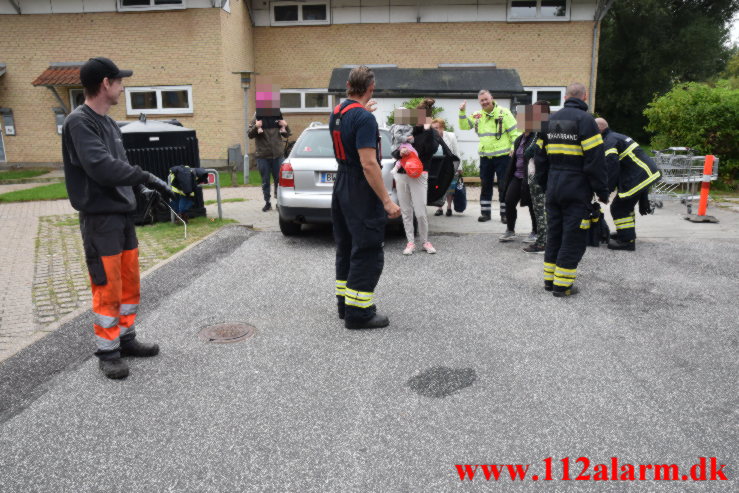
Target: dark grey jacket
column 98, row 175
column 269, row 144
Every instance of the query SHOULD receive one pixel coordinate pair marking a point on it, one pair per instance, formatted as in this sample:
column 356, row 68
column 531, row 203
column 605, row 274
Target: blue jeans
column 489, row 167
column 266, row 168
column 181, row 204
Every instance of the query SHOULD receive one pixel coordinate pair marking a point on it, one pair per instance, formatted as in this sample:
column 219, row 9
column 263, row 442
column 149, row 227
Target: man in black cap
column 100, row 183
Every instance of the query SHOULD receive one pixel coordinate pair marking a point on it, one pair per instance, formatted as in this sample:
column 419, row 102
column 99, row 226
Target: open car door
column 441, row 173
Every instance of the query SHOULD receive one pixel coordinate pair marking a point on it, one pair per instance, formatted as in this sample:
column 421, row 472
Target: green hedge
column 704, row 117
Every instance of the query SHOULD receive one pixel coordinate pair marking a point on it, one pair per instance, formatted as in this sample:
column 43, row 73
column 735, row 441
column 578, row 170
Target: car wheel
column 289, row 228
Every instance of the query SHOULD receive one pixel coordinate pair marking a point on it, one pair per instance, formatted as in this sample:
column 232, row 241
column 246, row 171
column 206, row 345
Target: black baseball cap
column 96, row 69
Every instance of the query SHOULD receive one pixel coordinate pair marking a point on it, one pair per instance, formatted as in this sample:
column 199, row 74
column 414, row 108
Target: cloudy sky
column 735, row 30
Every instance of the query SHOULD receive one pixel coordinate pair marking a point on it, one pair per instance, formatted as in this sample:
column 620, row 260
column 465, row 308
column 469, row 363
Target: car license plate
column 328, row 177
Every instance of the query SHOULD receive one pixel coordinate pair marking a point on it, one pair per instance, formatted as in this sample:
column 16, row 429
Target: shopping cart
column 682, row 174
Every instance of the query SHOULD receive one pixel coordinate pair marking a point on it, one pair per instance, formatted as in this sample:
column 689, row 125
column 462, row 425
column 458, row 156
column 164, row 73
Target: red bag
column 412, row 165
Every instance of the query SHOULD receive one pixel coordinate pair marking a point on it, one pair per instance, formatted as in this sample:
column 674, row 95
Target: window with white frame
column 159, row 100
column 539, row 10
column 554, row 95
column 76, row 98
column 300, row 13
column 305, row 100
column 151, row 4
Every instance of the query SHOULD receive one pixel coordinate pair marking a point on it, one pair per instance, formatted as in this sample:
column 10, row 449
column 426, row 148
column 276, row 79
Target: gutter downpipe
column 600, row 13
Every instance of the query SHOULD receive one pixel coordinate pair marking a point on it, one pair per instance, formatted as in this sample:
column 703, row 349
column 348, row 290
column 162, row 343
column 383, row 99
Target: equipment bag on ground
column 599, row 232
column 460, row 196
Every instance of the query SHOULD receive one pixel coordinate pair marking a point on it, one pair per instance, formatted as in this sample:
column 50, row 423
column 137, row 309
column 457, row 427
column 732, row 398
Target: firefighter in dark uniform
column 100, row 184
column 360, row 204
column 631, row 172
column 571, row 167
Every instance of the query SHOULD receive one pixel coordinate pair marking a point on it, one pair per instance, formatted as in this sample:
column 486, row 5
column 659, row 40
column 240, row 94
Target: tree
column 702, row 116
column 412, row 104
column 647, row 46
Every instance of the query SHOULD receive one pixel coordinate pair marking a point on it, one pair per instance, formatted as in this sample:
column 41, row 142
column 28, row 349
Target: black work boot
column 483, row 218
column 629, row 246
column 341, row 306
column 560, row 292
column 549, row 285
column 114, row 368
column 267, row 206
column 376, row 322
column 138, row 349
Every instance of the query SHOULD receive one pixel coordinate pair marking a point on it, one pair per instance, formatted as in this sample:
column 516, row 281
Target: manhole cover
column 226, row 332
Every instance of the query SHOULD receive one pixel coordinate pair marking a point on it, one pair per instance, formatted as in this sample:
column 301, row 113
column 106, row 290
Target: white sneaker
column 429, row 247
column 531, row 238
column 507, row 236
column 409, row 248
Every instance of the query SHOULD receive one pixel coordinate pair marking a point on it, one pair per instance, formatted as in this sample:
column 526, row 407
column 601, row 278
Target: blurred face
column 268, row 96
column 438, row 128
column 530, row 117
column 405, row 116
column 486, row 101
column 112, row 88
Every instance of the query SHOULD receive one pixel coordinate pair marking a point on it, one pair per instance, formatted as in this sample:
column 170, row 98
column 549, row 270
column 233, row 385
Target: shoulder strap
column 346, row 108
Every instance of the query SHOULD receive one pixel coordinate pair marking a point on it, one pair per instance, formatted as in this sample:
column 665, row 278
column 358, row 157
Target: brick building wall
column 182, row 47
column 543, row 53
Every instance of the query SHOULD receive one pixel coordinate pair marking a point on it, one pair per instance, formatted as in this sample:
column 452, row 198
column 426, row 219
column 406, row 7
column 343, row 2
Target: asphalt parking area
column 479, row 366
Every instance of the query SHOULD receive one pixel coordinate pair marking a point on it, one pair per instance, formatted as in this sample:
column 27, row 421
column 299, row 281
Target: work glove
column 159, row 185
column 645, row 207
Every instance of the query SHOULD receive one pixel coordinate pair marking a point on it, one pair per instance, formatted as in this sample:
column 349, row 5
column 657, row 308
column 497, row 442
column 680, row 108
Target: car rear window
column 317, row 143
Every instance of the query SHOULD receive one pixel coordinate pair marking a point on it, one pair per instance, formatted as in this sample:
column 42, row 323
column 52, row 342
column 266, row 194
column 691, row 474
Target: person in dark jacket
column 515, row 182
column 631, row 172
column 184, row 181
column 572, row 159
column 100, row 184
column 269, row 129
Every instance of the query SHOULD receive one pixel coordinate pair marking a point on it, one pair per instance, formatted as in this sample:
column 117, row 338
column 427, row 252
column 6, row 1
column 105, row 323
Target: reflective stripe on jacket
column 572, row 142
column 630, row 168
column 497, row 130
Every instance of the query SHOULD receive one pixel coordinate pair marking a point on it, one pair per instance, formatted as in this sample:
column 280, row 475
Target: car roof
column 322, row 125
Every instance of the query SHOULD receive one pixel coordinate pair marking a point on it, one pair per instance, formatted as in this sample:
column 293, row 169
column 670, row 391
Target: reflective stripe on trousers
column 116, row 302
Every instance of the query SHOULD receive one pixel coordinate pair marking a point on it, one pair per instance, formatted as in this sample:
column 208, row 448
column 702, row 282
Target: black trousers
column 489, row 167
column 359, row 231
column 515, row 193
column 622, row 210
column 568, row 207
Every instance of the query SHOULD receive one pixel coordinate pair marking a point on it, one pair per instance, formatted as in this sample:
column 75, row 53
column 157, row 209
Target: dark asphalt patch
column 441, row 381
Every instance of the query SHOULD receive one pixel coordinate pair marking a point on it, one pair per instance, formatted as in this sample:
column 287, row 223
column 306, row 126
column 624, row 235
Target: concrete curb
column 42, row 331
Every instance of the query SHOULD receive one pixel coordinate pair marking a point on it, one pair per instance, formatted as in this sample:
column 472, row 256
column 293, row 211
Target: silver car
column 307, row 179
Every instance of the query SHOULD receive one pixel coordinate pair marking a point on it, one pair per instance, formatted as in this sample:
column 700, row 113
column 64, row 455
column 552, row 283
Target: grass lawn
column 211, row 202
column 55, row 191
column 17, row 174
column 58, row 191
column 254, row 178
column 724, row 194
column 169, row 237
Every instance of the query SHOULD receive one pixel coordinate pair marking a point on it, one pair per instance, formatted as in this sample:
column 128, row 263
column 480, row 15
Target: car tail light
column 286, row 176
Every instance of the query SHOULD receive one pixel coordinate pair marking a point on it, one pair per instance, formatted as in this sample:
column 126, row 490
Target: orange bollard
column 706, row 186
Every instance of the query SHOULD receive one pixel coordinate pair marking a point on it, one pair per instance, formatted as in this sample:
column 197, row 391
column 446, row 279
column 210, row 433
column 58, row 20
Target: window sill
column 158, row 114
column 151, row 9
column 535, row 19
